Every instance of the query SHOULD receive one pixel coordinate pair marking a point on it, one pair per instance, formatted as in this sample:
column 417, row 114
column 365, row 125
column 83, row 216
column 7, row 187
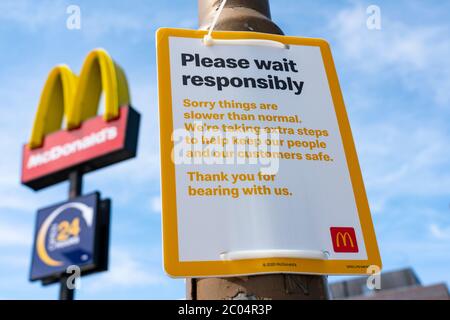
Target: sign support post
column 64, row 292
column 75, row 190
column 251, row 15
column 76, row 232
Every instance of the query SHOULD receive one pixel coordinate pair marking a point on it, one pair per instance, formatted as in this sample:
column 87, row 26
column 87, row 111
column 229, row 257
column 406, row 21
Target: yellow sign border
column 176, row 268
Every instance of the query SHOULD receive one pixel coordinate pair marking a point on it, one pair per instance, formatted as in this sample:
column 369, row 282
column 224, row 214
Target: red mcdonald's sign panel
column 96, row 144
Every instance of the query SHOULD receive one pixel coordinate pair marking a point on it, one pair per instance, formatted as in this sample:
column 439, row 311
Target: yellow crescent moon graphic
column 40, row 245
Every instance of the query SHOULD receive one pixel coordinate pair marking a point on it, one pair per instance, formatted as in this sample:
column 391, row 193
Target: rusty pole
column 250, row 15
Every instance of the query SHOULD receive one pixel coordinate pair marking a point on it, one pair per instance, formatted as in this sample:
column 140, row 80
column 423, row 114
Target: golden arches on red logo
column 77, row 98
column 344, row 236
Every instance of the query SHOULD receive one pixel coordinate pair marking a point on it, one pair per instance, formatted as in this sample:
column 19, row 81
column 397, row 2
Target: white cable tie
column 208, row 41
column 216, row 18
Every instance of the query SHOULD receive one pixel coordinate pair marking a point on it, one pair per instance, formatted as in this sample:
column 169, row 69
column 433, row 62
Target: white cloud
column 416, row 54
column 136, row 25
column 402, row 143
column 126, row 270
column 15, row 261
column 155, row 204
column 32, row 14
column 15, row 196
column 13, row 234
column 401, row 158
column 439, row 232
column 96, row 22
column 105, row 22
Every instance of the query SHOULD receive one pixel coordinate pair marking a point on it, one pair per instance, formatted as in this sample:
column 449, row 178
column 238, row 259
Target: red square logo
column 344, row 239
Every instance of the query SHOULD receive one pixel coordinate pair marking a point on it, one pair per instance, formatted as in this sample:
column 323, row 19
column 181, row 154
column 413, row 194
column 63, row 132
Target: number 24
column 67, row 229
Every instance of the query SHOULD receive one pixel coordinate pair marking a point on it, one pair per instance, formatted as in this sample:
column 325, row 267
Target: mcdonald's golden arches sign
column 87, row 141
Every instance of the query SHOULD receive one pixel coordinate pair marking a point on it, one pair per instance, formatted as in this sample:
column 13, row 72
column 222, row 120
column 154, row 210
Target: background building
column 395, row 285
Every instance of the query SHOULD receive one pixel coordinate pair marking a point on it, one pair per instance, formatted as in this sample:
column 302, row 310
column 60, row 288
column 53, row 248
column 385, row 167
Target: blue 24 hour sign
column 67, row 234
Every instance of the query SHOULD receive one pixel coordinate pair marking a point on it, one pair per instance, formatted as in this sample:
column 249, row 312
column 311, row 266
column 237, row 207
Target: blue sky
column 395, row 82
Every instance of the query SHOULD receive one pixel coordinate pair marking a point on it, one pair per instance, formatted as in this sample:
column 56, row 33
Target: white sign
column 259, row 169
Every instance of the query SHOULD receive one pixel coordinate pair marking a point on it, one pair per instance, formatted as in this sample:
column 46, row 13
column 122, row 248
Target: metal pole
column 64, row 292
column 75, row 184
column 251, row 15
column 75, row 189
